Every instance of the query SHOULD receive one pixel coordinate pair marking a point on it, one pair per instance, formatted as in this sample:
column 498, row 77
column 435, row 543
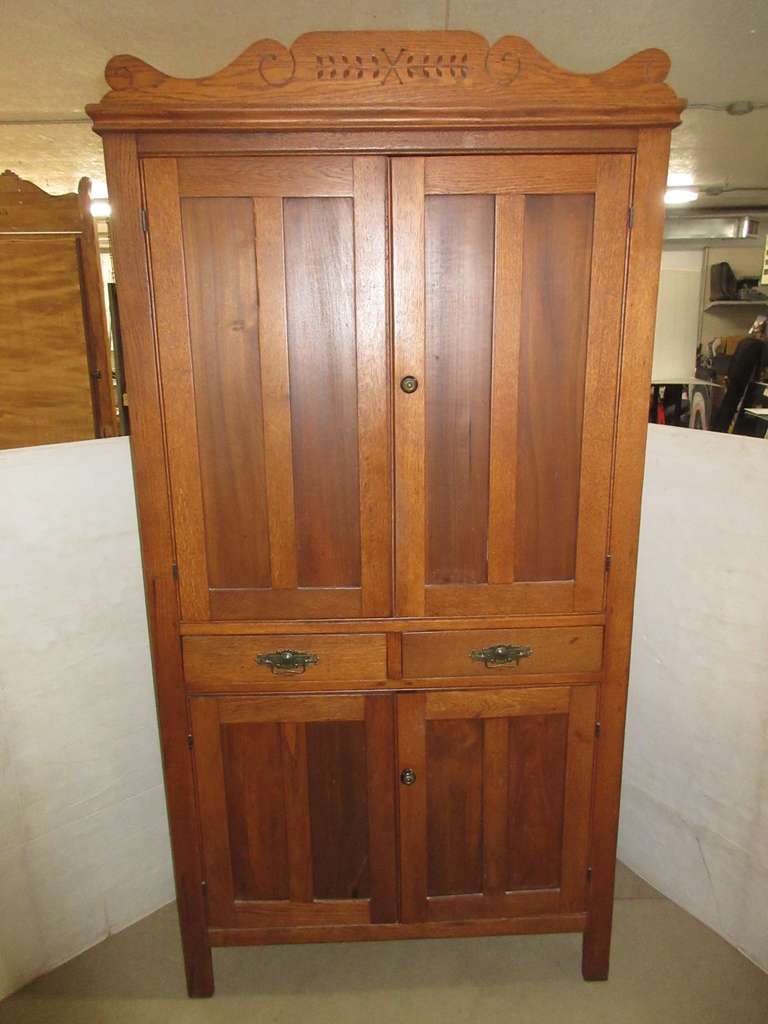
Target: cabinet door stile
column 275, row 391
column 370, row 197
column 297, row 817
column 172, row 322
column 495, row 803
column 412, row 804
column 510, row 226
column 211, row 796
column 409, row 409
column 578, row 796
column 609, row 255
column 382, row 833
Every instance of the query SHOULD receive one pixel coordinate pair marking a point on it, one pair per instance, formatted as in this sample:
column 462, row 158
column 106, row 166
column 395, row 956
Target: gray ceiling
column 52, row 55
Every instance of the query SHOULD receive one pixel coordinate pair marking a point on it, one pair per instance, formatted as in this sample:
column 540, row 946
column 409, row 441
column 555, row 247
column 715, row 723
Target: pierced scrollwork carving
column 381, row 67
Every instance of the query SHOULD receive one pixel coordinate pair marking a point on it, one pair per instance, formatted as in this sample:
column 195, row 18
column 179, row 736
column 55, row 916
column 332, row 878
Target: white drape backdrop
column 83, row 844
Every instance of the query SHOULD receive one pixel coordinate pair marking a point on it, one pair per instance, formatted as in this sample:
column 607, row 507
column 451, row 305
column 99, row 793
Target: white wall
column 83, row 841
column 677, row 315
column 694, row 817
column 83, row 847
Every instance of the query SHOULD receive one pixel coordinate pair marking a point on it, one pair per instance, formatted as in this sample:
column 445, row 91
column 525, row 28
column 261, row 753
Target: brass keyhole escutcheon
column 407, row 776
column 409, row 385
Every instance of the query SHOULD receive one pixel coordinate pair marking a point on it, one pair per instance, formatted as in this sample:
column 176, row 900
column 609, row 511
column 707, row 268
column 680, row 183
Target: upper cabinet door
column 269, row 279
column 508, row 276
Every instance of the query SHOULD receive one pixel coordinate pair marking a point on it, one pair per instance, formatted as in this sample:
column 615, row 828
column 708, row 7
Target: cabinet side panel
column 157, row 549
column 634, row 382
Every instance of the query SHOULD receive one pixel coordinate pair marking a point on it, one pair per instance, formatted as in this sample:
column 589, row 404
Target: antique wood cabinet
column 387, row 304
column 55, row 366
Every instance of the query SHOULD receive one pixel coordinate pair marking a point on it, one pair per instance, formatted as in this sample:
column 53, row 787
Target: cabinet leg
column 198, row 965
column 596, row 950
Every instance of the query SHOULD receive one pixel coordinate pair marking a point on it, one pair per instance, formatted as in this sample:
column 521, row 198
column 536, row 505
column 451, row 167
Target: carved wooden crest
column 25, row 207
column 388, row 79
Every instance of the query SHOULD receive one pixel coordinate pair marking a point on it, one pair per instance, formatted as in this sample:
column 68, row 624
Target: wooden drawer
column 228, row 663
column 556, row 650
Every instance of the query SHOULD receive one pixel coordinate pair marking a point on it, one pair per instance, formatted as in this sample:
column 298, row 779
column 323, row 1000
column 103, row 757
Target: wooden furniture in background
column 387, row 302
column 55, row 371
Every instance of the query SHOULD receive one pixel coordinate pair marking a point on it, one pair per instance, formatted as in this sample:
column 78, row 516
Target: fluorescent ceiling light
column 678, row 179
column 679, row 196
column 100, row 208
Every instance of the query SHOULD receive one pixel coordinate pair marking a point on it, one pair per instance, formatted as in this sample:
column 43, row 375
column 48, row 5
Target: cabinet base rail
column 532, row 925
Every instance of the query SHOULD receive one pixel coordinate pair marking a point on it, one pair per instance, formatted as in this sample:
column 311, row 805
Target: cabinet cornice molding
column 388, row 80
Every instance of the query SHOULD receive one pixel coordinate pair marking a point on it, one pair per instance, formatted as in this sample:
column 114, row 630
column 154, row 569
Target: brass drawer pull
column 501, row 654
column 282, row 662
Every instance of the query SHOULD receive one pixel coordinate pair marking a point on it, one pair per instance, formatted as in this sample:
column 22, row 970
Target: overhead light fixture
column 685, row 227
column 100, row 208
column 680, row 196
column 679, row 179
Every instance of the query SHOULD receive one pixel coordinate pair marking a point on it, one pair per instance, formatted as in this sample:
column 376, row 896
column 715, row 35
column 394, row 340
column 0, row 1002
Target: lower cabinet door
column 296, row 797
column 494, row 801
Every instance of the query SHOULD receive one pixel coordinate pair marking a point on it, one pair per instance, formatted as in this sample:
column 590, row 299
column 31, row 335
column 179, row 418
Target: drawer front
column 553, row 650
column 229, row 663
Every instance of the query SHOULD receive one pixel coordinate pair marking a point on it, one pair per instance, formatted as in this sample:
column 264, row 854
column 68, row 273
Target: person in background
column 748, row 363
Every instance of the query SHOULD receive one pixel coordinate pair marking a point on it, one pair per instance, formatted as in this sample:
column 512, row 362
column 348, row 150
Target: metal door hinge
column 144, row 220
column 607, row 563
column 190, row 741
column 597, row 728
column 631, row 217
column 589, row 876
column 204, row 887
column 175, row 571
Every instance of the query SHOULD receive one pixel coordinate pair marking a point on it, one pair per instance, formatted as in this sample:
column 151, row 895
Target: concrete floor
column 667, row 968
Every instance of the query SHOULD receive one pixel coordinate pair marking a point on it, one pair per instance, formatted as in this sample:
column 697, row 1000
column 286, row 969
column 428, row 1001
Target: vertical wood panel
column 637, row 348
column 382, row 831
column 165, row 237
column 338, row 808
column 296, row 782
column 510, row 218
column 408, row 305
column 253, row 780
column 412, row 803
column 454, row 806
column 151, row 482
column 221, row 288
column 212, row 802
column 537, row 751
column 555, row 304
column 459, row 259
column 578, row 793
column 45, row 389
column 372, row 384
column 609, row 254
column 275, row 391
column 495, row 804
column 320, row 289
